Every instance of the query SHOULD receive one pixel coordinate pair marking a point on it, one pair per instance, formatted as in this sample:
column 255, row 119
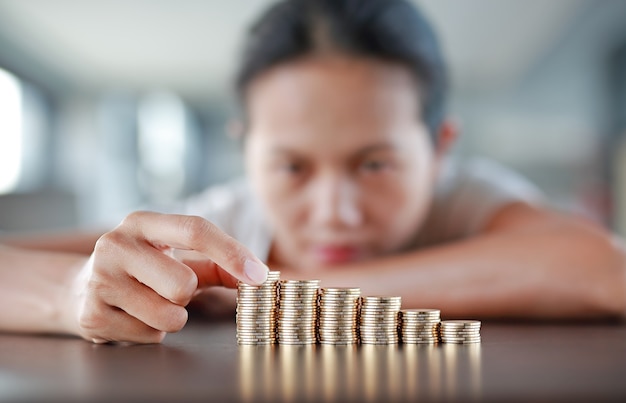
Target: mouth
column 336, row 254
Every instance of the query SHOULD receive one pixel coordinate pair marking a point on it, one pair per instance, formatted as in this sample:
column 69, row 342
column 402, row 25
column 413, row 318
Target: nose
column 335, row 202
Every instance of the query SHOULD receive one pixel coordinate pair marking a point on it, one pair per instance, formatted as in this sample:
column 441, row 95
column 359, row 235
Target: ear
column 446, row 138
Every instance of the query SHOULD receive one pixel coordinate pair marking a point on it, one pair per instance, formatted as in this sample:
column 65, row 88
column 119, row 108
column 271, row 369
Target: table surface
column 514, row 362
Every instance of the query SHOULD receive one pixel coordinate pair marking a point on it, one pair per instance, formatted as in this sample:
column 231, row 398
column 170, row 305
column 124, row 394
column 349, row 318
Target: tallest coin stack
column 256, row 311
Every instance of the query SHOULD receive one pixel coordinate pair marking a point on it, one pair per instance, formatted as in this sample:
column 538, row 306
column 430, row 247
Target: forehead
column 337, row 97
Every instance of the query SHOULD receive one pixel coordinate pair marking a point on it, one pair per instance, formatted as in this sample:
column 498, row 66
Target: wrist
column 71, row 296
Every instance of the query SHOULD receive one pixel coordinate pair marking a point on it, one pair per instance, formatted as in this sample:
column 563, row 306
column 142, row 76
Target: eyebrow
column 376, row 147
column 364, row 151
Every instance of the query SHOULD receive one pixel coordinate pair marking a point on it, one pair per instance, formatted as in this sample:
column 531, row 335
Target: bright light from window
column 162, row 129
column 10, row 131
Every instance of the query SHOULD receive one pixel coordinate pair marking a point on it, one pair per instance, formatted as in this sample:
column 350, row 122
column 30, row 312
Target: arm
column 72, row 242
column 131, row 288
column 37, row 276
column 35, row 289
column 527, row 263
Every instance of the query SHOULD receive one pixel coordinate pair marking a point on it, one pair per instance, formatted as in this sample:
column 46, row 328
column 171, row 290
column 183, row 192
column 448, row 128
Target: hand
column 133, row 289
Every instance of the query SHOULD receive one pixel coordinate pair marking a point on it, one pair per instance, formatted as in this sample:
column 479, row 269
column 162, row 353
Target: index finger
column 195, row 233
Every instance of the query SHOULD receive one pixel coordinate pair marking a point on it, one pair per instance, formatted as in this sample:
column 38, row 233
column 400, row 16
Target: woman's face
column 339, row 158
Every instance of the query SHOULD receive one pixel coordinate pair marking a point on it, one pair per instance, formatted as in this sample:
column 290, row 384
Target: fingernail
column 257, row 273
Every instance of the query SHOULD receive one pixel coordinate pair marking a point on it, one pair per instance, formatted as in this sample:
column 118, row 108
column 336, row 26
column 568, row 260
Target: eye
column 292, row 168
column 374, row 165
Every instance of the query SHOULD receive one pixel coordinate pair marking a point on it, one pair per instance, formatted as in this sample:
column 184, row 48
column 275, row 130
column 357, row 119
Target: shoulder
column 469, row 193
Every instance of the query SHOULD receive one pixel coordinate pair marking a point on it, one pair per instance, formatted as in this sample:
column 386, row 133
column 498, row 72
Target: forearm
column 548, row 273
column 35, row 288
column 70, row 241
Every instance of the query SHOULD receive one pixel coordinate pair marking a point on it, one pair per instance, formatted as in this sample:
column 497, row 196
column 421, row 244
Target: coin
column 256, row 311
column 460, row 331
column 419, row 325
column 379, row 320
column 459, row 334
column 338, row 315
column 461, row 324
column 297, row 311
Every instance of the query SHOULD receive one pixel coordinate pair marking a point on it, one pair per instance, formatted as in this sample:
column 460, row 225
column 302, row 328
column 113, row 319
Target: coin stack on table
column 379, row 320
column 256, row 311
column 297, row 312
column 420, row 326
column 338, row 315
column 460, row 331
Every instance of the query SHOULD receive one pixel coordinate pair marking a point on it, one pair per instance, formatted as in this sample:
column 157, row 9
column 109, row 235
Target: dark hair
column 392, row 30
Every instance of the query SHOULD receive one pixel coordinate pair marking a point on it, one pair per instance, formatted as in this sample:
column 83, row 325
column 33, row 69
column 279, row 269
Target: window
column 162, row 137
column 10, row 131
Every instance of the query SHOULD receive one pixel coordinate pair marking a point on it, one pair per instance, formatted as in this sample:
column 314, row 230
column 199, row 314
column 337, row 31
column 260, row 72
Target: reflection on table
column 360, row 372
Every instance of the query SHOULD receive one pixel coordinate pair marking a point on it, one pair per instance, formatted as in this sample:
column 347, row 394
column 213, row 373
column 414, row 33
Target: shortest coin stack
column 379, row 320
column 256, row 311
column 297, row 312
column 420, row 326
column 338, row 315
column 460, row 331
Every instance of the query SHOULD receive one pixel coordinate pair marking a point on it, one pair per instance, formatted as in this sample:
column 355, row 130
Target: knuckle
column 233, row 257
column 108, row 243
column 133, row 218
column 195, row 230
column 184, row 288
column 95, row 287
column 176, row 320
column 91, row 320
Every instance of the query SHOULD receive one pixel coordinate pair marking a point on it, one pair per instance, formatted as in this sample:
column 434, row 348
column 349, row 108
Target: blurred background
column 109, row 105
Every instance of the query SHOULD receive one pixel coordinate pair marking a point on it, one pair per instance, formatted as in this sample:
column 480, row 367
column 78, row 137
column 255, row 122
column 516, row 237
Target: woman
column 347, row 181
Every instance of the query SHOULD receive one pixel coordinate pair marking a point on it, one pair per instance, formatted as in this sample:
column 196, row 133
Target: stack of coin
column 297, row 312
column 338, row 315
column 460, row 331
column 256, row 311
column 379, row 320
column 420, row 326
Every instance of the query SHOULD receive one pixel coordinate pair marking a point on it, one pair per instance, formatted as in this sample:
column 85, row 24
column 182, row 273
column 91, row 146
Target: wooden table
column 515, row 362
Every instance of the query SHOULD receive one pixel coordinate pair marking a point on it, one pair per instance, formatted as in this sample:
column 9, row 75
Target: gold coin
column 340, row 290
column 452, row 335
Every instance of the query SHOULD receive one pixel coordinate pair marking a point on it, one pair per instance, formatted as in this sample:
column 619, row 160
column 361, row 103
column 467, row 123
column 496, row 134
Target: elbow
column 599, row 259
